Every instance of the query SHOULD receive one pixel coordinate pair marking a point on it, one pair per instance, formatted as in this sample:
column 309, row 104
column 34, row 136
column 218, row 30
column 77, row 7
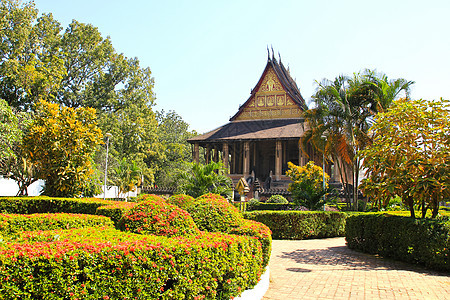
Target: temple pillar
column 246, row 166
column 301, row 155
column 225, row 155
column 208, row 154
column 233, row 159
column 215, row 154
column 196, row 153
column 278, row 159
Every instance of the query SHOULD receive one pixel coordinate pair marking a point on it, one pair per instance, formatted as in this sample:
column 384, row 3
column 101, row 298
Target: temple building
column 264, row 135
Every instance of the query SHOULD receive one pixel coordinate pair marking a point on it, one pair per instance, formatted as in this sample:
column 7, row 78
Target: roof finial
column 273, row 56
column 268, row 53
column 279, row 56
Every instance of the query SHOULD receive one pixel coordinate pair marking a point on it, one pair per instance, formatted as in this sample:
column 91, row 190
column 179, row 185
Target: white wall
column 9, row 187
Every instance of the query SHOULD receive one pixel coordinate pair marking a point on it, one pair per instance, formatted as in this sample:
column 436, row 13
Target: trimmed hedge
column 109, row 264
column 115, row 211
column 155, row 216
column 43, row 204
column 298, row 225
column 182, row 201
column 422, row 241
column 271, row 206
column 212, row 212
column 261, row 232
column 104, row 263
column 15, row 223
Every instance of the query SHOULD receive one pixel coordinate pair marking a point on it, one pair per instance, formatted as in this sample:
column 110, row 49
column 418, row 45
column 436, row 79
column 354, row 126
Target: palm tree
column 203, row 179
column 127, row 176
column 344, row 111
column 384, row 90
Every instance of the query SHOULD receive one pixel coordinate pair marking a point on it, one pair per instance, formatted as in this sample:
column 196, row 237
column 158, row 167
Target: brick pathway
column 327, row 269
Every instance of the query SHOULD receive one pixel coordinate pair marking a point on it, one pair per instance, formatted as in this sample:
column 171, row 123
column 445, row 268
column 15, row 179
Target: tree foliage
column 18, row 166
column 344, row 113
column 173, row 133
column 410, row 155
column 78, row 67
column 127, row 176
column 203, row 179
column 10, row 132
column 307, row 187
column 31, row 64
column 61, row 142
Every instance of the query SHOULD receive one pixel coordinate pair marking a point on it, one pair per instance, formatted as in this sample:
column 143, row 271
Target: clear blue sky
column 206, row 56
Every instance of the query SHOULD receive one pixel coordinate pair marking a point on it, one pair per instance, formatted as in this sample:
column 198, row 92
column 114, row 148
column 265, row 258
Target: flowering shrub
column 156, row 216
column 104, row 263
column 307, row 186
column 14, row 223
column 109, row 264
column 182, row 201
column 212, row 212
column 298, row 225
column 261, row 232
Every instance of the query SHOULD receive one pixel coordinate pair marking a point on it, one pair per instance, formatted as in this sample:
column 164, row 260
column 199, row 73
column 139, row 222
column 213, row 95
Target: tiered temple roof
column 274, row 110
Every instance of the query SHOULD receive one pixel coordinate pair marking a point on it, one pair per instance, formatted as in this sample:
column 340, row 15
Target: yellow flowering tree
column 410, row 155
column 307, row 187
column 61, row 142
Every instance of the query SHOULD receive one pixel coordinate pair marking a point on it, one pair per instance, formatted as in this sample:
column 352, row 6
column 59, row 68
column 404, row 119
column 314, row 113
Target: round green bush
column 156, row 216
column 212, row 212
column 253, row 201
column 181, row 200
column 277, row 199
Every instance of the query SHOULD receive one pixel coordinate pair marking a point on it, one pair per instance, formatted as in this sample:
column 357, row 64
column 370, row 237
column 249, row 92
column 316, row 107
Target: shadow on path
column 348, row 259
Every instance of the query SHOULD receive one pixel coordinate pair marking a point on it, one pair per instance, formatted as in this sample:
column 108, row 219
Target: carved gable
column 270, row 101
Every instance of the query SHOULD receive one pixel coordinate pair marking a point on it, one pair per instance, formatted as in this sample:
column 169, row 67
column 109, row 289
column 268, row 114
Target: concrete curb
column 259, row 290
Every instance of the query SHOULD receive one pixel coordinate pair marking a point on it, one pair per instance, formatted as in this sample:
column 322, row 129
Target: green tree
column 134, row 135
column 410, row 155
column 307, row 185
column 173, row 133
column 9, row 130
column 127, row 176
column 382, row 90
column 31, row 66
column 93, row 69
column 17, row 164
column 80, row 68
column 202, row 179
column 61, row 142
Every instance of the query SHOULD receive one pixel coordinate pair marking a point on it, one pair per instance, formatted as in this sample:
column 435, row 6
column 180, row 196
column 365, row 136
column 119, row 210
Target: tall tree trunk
column 435, row 210
column 341, row 170
column 410, row 203
column 424, row 208
column 355, row 182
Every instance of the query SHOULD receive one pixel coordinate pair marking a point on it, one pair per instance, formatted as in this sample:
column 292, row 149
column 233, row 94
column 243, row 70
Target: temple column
column 196, row 153
column 278, row 160
column 215, row 154
column 208, row 154
column 233, row 159
column 225, row 155
column 246, row 166
column 301, row 155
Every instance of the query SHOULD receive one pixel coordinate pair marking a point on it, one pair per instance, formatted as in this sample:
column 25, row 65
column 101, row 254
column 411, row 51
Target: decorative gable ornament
column 242, row 187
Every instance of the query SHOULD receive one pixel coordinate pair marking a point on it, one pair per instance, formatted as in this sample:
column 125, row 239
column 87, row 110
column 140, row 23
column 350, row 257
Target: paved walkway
column 327, row 269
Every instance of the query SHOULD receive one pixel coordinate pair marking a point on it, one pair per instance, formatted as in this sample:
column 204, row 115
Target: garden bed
column 101, row 262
